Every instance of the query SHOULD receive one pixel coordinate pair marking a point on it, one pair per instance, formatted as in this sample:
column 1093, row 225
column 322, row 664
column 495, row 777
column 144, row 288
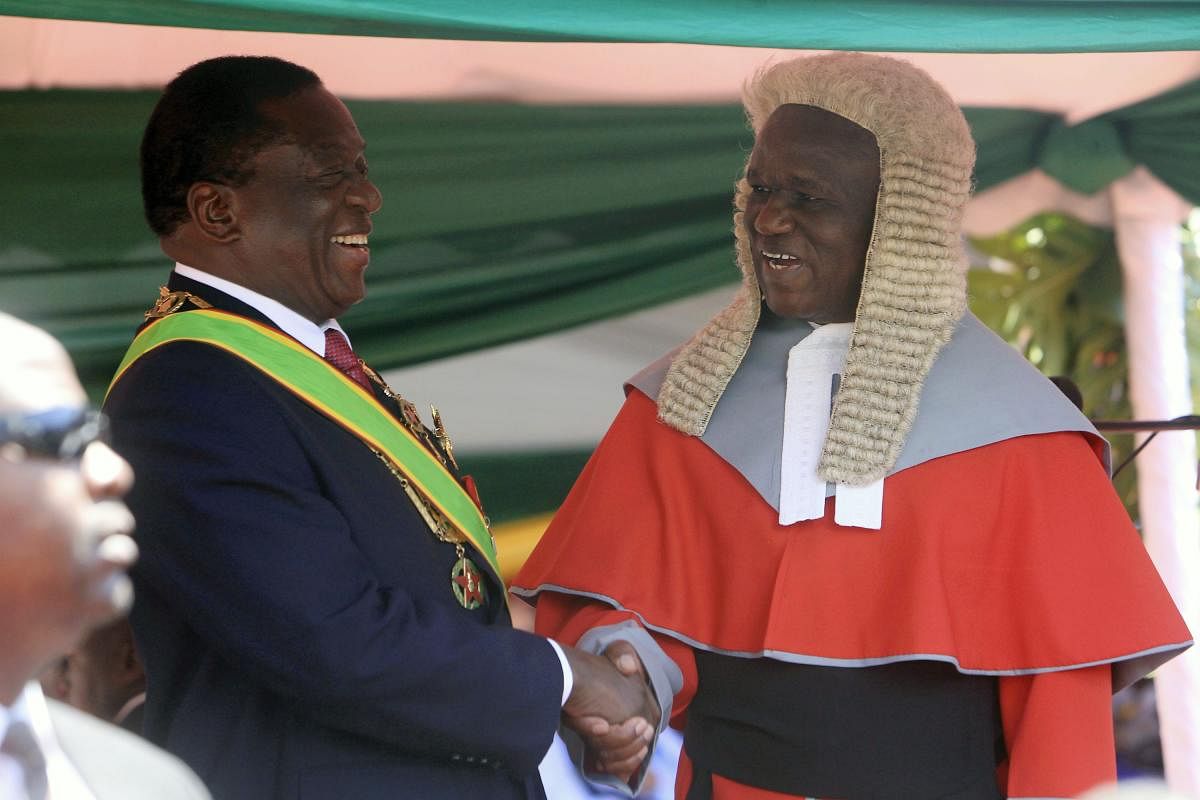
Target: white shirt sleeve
column 568, row 676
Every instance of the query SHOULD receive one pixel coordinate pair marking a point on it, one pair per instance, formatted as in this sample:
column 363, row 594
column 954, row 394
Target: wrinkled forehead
column 35, row 371
column 315, row 120
column 806, row 143
column 804, row 122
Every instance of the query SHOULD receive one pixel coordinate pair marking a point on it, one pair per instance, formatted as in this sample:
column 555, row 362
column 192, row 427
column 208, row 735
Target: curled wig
column 914, row 278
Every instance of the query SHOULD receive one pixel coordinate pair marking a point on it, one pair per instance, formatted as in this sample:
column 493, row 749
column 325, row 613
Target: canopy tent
column 901, row 25
column 508, row 219
column 620, row 201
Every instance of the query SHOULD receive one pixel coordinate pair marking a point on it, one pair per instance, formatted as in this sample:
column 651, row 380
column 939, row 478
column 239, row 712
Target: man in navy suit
column 317, row 604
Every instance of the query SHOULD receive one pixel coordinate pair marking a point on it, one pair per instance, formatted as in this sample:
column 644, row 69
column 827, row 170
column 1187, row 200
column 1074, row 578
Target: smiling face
column 303, row 219
column 813, row 180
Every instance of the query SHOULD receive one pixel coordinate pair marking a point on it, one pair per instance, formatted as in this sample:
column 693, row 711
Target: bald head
column 35, row 370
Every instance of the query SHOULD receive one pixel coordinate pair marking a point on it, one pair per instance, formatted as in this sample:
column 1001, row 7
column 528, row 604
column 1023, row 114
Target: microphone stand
column 1188, row 422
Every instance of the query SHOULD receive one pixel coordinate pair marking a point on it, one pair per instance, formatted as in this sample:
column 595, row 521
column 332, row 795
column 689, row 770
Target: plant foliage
column 1051, row 287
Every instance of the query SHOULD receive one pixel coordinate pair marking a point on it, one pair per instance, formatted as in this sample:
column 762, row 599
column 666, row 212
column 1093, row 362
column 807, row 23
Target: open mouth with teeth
column 780, row 260
column 356, row 240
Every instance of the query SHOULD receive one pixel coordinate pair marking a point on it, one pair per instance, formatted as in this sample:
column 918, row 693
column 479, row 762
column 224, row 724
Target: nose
column 105, row 473
column 366, row 195
column 773, row 217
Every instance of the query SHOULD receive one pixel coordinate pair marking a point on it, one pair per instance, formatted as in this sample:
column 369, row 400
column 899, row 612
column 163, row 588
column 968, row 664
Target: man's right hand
column 612, row 708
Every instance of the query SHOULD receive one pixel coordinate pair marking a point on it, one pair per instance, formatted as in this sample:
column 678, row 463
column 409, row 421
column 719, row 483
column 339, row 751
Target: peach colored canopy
column 43, row 53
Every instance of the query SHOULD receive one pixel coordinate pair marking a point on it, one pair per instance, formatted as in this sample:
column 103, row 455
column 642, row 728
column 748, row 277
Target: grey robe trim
column 1126, row 667
column 979, row 391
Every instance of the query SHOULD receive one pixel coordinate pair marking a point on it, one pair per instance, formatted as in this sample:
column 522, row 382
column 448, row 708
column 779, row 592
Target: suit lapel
column 224, row 302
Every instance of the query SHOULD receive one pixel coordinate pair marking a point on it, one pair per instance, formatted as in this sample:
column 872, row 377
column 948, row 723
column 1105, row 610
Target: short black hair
column 208, row 125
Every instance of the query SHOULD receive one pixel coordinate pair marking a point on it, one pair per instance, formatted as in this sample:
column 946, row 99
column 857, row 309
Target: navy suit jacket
column 294, row 612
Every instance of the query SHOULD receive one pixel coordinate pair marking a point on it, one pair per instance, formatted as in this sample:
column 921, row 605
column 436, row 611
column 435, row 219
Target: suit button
column 455, row 757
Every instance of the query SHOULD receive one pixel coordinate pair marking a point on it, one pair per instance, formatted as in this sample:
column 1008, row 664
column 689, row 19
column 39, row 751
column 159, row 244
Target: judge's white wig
column 914, row 278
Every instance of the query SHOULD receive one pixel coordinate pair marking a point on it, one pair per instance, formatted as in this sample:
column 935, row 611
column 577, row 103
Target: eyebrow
column 798, row 183
column 336, row 149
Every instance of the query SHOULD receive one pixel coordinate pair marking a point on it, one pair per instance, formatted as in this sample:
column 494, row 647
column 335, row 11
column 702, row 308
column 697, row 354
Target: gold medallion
column 442, row 437
column 467, row 583
column 170, row 302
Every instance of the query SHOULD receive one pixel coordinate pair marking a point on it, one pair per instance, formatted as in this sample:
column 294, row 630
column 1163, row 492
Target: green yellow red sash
column 325, row 388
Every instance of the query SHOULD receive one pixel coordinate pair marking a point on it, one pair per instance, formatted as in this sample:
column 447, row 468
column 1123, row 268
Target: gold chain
column 409, row 417
column 439, row 525
column 437, row 522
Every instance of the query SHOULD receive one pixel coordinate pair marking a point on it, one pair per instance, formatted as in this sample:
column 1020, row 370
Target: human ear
column 213, row 207
column 55, row 680
column 131, row 664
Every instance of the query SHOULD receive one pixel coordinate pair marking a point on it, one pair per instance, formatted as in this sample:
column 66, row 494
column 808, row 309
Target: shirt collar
column 65, row 780
column 303, row 330
column 10, row 713
column 29, row 707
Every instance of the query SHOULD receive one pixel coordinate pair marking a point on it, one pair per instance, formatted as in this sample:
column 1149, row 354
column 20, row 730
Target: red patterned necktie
column 338, row 353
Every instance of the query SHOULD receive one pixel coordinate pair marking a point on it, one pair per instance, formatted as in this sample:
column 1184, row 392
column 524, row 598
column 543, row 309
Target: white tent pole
column 1147, row 216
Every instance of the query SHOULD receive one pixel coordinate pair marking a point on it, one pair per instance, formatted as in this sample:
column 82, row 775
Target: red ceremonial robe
column 1013, row 559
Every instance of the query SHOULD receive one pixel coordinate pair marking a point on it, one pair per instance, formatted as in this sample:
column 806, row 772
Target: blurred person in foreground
column 319, row 610
column 859, row 546
column 64, row 549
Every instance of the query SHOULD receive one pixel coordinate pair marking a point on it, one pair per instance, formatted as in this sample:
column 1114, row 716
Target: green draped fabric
column 523, row 483
column 1162, row 133
column 907, row 25
column 500, row 221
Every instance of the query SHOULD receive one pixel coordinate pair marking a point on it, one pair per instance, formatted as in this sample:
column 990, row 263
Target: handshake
column 612, row 709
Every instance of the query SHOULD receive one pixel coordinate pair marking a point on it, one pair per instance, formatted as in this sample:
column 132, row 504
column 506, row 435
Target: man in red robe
column 857, row 546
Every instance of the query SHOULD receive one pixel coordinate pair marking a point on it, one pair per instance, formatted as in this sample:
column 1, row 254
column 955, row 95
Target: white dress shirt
column 65, row 782
column 299, row 327
column 312, row 336
column 12, row 775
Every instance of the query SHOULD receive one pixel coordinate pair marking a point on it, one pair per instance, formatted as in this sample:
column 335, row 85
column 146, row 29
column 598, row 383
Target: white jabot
column 859, row 506
column 812, row 367
column 300, row 328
